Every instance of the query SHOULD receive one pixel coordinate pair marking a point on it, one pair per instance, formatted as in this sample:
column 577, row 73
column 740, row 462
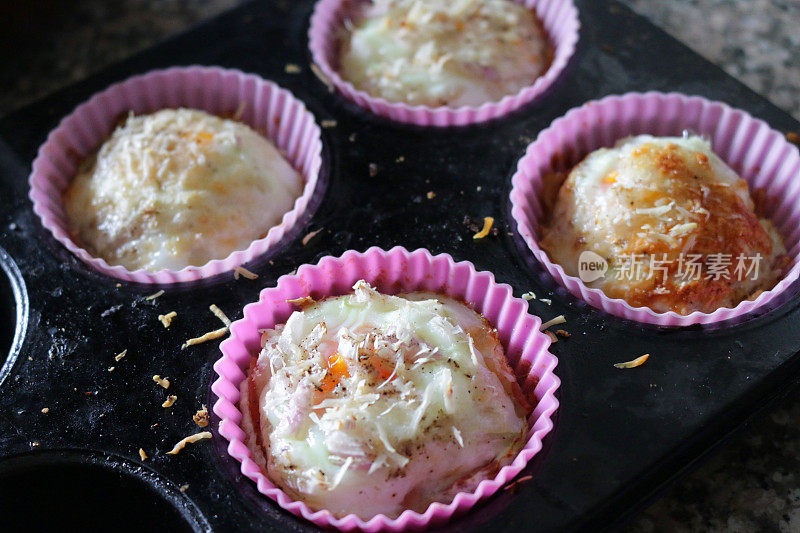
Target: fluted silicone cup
column 262, row 104
column 559, row 19
column 395, row 271
column 759, row 154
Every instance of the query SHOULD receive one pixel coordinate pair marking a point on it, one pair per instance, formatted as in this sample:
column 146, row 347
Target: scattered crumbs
column 120, row 355
column 548, row 301
column 431, row 195
column 400, row 159
column 189, row 440
column 552, row 336
column 634, row 363
column 163, row 382
column 793, row 137
column 46, row 410
column 142, row 454
column 352, row 138
column 240, row 110
column 301, row 302
column 154, row 295
column 241, row 271
column 329, row 123
column 30, row 358
column 201, row 417
column 310, row 236
column 211, row 335
column 291, row 68
column 111, row 310
column 487, row 227
column 373, row 170
column 167, row 319
column 553, row 322
column 219, row 314
column 529, row 296
column 514, row 483
column 170, row 401
column 321, row 76
column 111, row 368
column 563, row 333
column 478, row 188
column 475, row 225
column 184, row 488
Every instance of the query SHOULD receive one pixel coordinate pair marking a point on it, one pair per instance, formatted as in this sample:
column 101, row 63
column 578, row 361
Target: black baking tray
column 620, row 435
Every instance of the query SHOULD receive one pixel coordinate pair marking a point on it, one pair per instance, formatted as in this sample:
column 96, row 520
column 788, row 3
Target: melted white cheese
column 178, row 188
column 661, row 198
column 372, row 404
column 443, row 52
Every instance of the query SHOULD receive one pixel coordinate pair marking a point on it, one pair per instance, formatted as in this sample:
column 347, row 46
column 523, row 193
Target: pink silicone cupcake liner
column 560, row 21
column 759, row 154
column 394, row 271
column 261, row 104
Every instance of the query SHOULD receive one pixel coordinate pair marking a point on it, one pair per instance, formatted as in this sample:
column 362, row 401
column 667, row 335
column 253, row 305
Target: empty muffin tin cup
column 256, row 102
column 760, row 155
column 559, row 19
column 394, row 271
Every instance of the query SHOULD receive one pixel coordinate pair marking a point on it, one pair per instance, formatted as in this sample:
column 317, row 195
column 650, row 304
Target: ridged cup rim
column 396, row 270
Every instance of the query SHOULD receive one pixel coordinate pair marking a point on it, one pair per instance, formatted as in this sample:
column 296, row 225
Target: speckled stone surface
column 753, row 483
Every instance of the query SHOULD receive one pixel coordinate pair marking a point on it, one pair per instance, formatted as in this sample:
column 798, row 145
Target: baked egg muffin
column 443, row 52
column 178, row 187
column 370, row 403
column 676, row 227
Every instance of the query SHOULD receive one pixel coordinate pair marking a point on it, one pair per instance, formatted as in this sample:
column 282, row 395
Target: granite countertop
column 753, row 483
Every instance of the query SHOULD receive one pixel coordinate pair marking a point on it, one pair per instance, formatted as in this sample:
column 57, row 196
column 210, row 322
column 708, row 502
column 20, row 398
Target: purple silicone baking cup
column 261, row 104
column 759, row 154
column 559, row 19
column 397, row 270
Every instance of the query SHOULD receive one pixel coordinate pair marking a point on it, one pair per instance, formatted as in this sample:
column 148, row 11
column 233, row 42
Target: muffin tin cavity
column 56, row 490
column 13, row 313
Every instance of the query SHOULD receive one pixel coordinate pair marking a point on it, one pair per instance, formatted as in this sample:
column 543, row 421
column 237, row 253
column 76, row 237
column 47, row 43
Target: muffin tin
column 620, row 435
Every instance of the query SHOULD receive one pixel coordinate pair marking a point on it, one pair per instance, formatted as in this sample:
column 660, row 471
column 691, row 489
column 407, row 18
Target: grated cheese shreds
column 163, row 382
column 210, row 336
column 310, row 236
column 321, row 76
column 330, row 123
column 241, row 271
column 167, row 319
column 291, row 68
column 201, row 417
column 154, row 295
column 487, row 227
column 170, row 401
column 529, row 296
column 639, row 361
column 219, row 314
column 553, row 322
column 120, row 355
column 45, row 410
column 191, row 439
column 142, row 454
column 301, row 302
